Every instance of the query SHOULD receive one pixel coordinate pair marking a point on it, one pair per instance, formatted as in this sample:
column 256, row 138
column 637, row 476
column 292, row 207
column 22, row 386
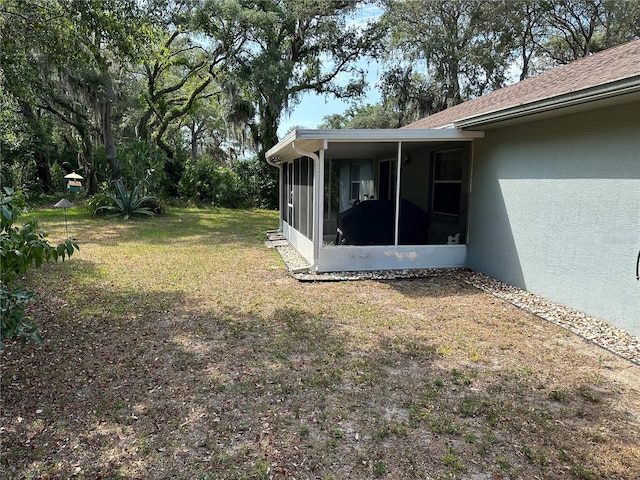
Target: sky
column 312, row 107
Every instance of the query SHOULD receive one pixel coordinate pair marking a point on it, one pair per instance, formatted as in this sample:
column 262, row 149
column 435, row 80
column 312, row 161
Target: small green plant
column 98, row 200
column 504, row 464
column 129, row 203
column 443, row 425
column 452, row 461
column 379, row 468
column 535, row 456
column 21, row 249
column 589, row 395
column 583, row 472
column 461, row 378
column 557, row 395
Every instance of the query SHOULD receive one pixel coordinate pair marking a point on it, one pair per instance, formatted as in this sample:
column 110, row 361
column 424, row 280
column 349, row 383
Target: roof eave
column 314, row 140
column 602, row 92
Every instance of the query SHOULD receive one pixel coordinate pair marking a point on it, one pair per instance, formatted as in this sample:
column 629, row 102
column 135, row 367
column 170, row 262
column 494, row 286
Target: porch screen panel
column 283, row 193
column 296, row 194
column 287, row 196
column 303, row 206
column 298, row 197
column 310, row 209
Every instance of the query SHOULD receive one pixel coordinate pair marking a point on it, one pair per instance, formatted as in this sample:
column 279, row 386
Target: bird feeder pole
column 64, row 204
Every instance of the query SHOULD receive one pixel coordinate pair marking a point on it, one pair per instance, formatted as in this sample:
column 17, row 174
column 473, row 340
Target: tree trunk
column 194, row 141
column 142, row 129
column 107, row 131
column 84, row 158
column 266, row 135
column 42, row 140
column 44, row 172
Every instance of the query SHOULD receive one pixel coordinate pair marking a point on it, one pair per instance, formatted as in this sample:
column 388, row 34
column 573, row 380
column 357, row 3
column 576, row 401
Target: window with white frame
column 446, row 188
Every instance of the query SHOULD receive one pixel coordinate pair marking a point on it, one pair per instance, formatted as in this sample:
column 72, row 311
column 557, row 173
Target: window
column 446, row 189
column 387, row 180
column 355, row 183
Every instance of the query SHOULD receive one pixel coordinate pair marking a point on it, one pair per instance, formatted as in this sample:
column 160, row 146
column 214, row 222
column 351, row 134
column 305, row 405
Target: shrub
column 206, row 181
column 98, row 201
column 129, row 203
column 21, row 249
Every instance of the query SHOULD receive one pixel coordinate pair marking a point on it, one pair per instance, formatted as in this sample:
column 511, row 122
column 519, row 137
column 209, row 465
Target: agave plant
column 128, row 203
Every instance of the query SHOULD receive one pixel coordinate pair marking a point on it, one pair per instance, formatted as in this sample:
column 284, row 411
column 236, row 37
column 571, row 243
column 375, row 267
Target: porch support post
column 396, row 236
column 281, row 195
column 318, row 204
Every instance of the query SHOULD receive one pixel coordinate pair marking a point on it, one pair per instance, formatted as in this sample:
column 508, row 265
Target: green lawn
column 178, row 347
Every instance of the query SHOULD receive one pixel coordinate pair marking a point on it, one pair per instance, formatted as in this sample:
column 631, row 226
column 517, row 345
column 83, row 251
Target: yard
column 178, row 347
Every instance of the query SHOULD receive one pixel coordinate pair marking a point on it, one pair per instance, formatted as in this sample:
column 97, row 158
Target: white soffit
column 316, row 140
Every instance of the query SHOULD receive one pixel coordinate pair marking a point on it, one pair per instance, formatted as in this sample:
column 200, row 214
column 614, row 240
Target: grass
column 178, row 347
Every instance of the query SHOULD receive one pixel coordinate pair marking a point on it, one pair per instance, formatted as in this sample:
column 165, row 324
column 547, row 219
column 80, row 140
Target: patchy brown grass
column 179, row 348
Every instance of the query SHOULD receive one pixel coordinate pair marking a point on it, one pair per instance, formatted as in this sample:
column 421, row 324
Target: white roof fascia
column 601, row 92
column 314, row 140
column 387, row 135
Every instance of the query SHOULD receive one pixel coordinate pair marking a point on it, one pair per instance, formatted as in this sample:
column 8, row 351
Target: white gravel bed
column 591, row 329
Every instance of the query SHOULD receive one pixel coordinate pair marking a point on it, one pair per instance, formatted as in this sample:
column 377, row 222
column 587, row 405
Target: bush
column 21, row 249
column 144, row 165
column 206, row 181
column 96, row 202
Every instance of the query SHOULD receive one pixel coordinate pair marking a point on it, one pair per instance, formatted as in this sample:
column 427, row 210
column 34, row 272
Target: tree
column 64, row 57
column 462, row 53
column 22, row 25
column 361, row 116
column 177, row 77
column 294, row 47
column 523, row 28
column 409, row 95
column 582, row 27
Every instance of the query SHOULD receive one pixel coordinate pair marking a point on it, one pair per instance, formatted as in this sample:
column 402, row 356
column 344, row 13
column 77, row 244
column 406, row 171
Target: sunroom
column 355, row 200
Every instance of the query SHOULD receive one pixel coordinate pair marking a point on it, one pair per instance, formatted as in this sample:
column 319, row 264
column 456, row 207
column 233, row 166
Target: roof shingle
column 617, row 63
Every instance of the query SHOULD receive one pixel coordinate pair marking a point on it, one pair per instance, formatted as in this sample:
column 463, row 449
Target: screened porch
column 364, row 200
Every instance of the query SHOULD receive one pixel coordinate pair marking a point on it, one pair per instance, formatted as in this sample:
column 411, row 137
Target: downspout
column 316, row 199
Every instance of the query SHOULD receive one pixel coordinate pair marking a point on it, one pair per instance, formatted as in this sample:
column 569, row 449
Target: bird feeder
column 74, row 184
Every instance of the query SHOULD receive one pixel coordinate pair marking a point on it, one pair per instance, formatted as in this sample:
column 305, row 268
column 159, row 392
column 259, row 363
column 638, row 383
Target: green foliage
column 138, row 73
column 362, row 116
column 143, row 165
column 13, row 325
column 21, row 249
column 260, row 182
column 58, row 182
column 25, row 247
column 99, row 200
column 250, row 183
column 128, row 203
column 207, row 181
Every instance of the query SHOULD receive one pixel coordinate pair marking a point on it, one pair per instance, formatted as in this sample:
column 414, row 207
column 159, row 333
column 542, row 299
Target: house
column 536, row 184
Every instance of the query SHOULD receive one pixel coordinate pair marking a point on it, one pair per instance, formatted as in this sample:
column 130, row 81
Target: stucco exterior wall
column 555, row 209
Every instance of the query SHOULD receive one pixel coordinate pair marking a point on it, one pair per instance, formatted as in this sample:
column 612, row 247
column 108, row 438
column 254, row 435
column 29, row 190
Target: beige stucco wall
column 555, row 209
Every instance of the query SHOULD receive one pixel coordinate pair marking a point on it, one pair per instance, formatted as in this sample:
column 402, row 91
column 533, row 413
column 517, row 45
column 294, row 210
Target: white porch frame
column 324, row 258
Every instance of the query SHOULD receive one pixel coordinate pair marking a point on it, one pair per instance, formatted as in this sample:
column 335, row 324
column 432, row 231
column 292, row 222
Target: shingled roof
column 589, row 74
